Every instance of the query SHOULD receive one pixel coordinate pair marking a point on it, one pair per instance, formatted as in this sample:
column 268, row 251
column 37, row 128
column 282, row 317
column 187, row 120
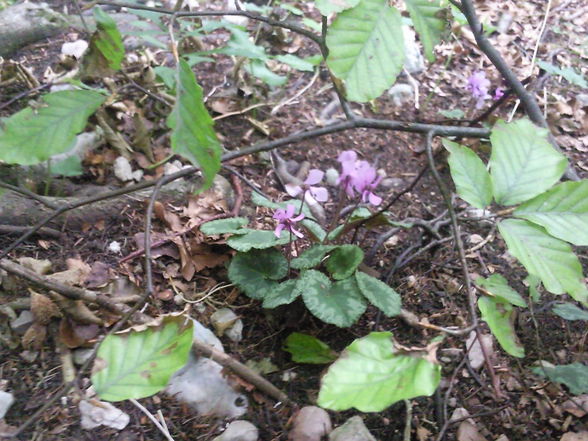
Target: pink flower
column 478, row 86
column 358, row 176
column 314, row 177
column 286, row 220
column 498, row 93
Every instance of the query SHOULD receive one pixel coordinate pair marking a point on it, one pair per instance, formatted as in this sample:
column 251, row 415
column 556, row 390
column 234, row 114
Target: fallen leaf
column 35, row 336
column 43, row 308
column 74, row 335
column 75, row 275
column 577, row 406
column 170, row 219
column 310, row 424
column 37, row 266
column 467, row 431
column 573, row 436
column 99, row 275
column 100, row 413
column 76, row 309
column 475, row 353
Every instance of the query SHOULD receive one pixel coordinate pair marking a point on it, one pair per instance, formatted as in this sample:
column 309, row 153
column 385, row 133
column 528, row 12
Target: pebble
column 415, row 61
column 80, row 356
column 353, row 430
column 401, row 93
column 239, row 431
column 20, row 324
column 332, row 177
column 122, row 169
column 6, row 400
column 226, row 322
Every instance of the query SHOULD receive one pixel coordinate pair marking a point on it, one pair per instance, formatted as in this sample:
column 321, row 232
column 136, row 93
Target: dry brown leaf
column 76, row 309
column 573, row 436
column 99, row 275
column 467, row 431
column 43, row 308
column 37, row 266
column 310, row 424
column 35, row 336
column 577, row 406
column 170, row 219
column 74, row 335
column 423, row 434
column 75, row 275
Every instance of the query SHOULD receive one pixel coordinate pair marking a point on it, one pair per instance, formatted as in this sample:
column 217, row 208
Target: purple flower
column 478, row 86
column 498, row 93
column 314, row 177
column 286, row 220
column 358, row 176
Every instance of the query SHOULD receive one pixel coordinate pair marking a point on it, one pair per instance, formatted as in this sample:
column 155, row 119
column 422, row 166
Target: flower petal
column 278, row 230
column 293, row 190
column 297, row 218
column 290, row 209
column 296, row 232
column 347, row 156
column 279, row 214
column 314, row 176
column 319, row 193
column 374, row 199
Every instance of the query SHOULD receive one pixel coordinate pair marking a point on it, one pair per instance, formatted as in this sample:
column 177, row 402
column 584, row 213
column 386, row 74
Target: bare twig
column 149, row 415
column 25, row 192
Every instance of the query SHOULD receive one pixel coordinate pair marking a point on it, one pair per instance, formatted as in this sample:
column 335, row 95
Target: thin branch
column 251, row 15
column 25, row 192
column 527, row 99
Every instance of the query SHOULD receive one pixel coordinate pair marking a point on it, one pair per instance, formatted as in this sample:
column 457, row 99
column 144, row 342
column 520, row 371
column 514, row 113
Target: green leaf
column 452, row 114
column 498, row 316
column 30, row 137
column 339, row 303
column 241, row 45
column 379, row 294
column 523, row 163
column 295, row 62
column 70, row 166
column 372, row 374
column 283, row 294
column 568, row 73
column 550, row 259
column 469, row 174
column 308, row 349
column 256, row 272
column 139, row 363
column 562, row 211
column 259, row 69
column 107, row 40
column 534, row 283
column 192, row 133
column 224, row 226
column 366, row 48
column 328, row 7
column 499, row 288
column 248, row 239
column 569, row 311
column 430, row 21
column 574, row 376
column 312, row 256
column 343, row 261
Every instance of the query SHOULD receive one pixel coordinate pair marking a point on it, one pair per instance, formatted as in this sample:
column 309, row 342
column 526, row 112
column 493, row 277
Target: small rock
column 122, row 169
column 22, row 322
column 29, row 356
column 104, row 414
column 310, row 424
column 582, row 99
column 239, row 431
column 224, row 321
column 415, row 61
column 332, row 177
column 75, row 48
column 475, row 353
column 137, row 175
column 401, row 94
column 6, row 400
column 391, row 183
column 504, row 23
column 80, row 356
column 222, row 187
column 38, row 266
column 353, row 430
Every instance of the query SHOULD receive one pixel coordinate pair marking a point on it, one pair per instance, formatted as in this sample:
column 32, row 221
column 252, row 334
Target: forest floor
column 430, row 283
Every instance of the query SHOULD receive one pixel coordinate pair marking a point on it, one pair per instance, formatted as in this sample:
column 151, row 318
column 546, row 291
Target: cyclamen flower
column 498, row 93
column 358, row 176
column 286, row 220
column 478, row 86
column 314, row 177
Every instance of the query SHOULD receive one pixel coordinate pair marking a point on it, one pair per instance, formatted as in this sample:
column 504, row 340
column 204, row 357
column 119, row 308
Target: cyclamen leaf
column 366, row 48
column 561, row 210
column 282, row 294
column 523, row 164
column 312, row 256
column 308, row 349
column 569, row 311
column 193, row 135
column 498, row 286
column 138, row 364
column 574, row 376
column 568, row 73
column 373, row 374
column 339, row 303
column 379, row 294
column 224, row 226
column 430, row 21
column 469, row 174
column 343, row 261
column 256, row 272
column 247, row 239
column 30, row 137
column 498, row 316
column 550, row 259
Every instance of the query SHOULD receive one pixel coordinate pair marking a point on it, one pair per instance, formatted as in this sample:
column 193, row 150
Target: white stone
column 122, row 169
column 415, row 61
column 401, row 94
column 353, row 430
column 75, row 48
column 102, row 414
column 331, row 177
column 239, row 431
column 6, row 400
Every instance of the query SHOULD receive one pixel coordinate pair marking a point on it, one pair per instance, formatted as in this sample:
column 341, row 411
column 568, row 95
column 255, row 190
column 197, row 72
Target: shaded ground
column 430, row 284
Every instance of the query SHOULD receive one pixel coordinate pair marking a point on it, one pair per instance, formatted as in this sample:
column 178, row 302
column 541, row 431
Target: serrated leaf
column 498, row 316
column 312, row 256
column 379, row 294
column 224, row 226
column 328, row 7
column 568, row 73
column 248, row 239
column 523, row 164
column 107, row 40
column 282, row 294
column 569, row 311
column 430, row 21
column 550, row 259
column 574, row 376
column 256, row 272
column 193, row 135
column 372, row 374
column 308, row 349
column 138, row 364
column 339, row 303
column 30, row 137
column 498, row 286
column 295, row 62
column 343, row 261
column 472, row 180
column 561, row 210
column 366, row 48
